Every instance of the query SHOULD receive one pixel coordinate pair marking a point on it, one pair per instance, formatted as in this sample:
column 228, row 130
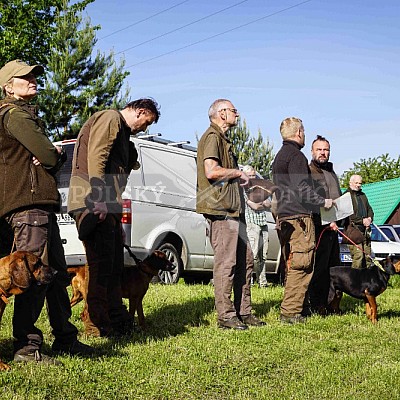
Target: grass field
column 183, row 355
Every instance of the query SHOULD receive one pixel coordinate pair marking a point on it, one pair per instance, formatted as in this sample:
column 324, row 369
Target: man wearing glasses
column 220, row 199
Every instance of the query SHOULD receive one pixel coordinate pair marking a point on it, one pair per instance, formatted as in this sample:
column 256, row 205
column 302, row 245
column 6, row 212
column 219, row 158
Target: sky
column 334, row 64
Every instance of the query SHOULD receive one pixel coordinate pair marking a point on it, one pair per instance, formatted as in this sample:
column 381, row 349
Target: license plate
column 65, row 219
column 345, row 257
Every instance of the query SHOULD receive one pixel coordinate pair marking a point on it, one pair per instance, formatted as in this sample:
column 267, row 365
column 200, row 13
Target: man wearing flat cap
column 28, row 201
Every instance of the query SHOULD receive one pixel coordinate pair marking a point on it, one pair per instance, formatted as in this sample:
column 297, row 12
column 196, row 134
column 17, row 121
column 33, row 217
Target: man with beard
column 326, row 184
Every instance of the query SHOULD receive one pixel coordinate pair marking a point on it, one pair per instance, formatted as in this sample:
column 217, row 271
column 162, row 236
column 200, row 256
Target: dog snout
column 45, row 274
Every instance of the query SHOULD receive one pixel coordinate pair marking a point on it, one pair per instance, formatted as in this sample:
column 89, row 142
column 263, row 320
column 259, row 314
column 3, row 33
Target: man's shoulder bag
column 353, row 233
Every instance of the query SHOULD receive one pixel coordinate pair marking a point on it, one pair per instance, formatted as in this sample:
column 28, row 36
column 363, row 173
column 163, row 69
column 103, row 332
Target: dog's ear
column 19, row 273
column 33, row 262
column 397, row 267
column 161, row 261
column 160, row 254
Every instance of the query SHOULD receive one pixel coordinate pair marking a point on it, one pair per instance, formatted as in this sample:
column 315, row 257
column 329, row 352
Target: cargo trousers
column 297, row 236
column 233, row 266
column 104, row 313
column 361, row 254
column 36, row 230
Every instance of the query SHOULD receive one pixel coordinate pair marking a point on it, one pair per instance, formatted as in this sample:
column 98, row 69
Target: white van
column 159, row 211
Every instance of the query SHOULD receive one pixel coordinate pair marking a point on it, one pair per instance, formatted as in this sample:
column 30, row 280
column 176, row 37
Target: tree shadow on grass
column 262, row 309
column 175, row 319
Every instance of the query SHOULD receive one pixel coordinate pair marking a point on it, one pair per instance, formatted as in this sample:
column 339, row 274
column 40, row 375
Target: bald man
column 361, row 219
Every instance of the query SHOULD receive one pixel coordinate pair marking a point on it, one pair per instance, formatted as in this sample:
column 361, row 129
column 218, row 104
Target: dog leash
column 137, row 260
column 376, row 263
column 320, row 236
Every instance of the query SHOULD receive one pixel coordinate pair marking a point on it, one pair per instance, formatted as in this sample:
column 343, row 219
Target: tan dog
column 135, row 282
column 17, row 272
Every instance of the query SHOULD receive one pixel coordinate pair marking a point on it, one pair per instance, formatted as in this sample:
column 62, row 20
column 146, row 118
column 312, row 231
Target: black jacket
column 292, row 175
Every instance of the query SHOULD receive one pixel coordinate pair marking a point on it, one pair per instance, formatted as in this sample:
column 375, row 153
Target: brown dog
column 17, row 272
column 135, row 282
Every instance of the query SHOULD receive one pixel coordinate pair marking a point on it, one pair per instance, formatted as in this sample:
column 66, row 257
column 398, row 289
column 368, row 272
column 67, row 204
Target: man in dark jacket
column 362, row 220
column 295, row 201
column 29, row 199
column 326, row 184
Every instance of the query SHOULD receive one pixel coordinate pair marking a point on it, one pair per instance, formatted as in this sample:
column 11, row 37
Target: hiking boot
column 76, row 348
column 36, row 356
column 232, row 323
column 252, row 320
column 292, row 319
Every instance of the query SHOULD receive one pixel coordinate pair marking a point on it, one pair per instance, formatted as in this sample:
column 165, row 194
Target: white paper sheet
column 342, row 209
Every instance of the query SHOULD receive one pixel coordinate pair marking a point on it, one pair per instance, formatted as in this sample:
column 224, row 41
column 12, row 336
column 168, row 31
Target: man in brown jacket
column 220, row 199
column 326, row 184
column 103, row 159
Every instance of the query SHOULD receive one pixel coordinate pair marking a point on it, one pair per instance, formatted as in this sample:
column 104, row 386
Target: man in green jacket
column 220, row 199
column 28, row 201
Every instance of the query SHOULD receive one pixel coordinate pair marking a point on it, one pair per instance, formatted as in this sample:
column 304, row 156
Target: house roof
column 384, row 197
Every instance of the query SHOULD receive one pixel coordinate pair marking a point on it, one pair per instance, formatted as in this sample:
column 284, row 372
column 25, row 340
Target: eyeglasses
column 234, row 110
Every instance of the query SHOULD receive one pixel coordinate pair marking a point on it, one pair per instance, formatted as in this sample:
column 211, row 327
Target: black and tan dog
column 17, row 272
column 135, row 282
column 365, row 284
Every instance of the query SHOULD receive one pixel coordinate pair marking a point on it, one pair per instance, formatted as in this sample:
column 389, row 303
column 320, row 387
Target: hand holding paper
column 343, row 207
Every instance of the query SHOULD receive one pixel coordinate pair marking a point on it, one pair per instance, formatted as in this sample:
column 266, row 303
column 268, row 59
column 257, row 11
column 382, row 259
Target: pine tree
column 26, row 28
column 253, row 151
column 77, row 85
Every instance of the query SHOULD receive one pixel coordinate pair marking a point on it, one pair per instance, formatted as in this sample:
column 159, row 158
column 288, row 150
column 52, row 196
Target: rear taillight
column 126, row 212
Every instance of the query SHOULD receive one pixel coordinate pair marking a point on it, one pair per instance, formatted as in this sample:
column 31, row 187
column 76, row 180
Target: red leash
column 358, row 247
column 320, row 236
column 345, row 236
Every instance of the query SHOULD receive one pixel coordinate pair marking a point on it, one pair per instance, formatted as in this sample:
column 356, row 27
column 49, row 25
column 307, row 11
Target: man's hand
column 333, row 226
column 266, row 203
column 367, row 221
column 35, row 161
column 243, row 179
column 101, row 210
column 329, row 203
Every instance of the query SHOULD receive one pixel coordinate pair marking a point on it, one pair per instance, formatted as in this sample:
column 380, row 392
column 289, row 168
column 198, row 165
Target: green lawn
column 184, row 355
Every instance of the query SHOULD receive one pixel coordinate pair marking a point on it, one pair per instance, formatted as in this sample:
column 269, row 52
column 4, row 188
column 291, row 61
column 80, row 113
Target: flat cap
column 18, row 68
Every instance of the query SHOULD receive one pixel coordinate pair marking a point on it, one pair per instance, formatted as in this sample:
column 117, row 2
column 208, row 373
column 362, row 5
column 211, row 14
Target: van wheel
column 171, row 277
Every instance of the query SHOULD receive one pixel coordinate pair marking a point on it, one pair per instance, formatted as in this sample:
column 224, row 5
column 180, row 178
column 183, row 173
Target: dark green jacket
column 363, row 212
column 22, row 184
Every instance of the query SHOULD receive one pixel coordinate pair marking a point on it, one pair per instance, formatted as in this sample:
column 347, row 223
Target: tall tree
column 78, row 85
column 373, row 170
column 252, row 150
column 26, row 28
